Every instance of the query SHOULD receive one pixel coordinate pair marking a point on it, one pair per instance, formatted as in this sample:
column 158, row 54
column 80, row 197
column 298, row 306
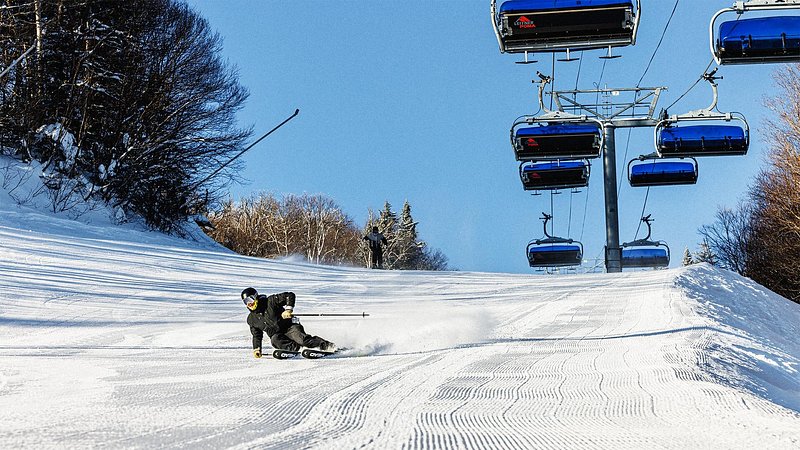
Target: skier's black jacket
column 267, row 316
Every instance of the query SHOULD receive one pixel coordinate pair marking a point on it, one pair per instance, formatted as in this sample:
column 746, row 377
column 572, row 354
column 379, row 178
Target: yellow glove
column 287, row 314
column 257, row 352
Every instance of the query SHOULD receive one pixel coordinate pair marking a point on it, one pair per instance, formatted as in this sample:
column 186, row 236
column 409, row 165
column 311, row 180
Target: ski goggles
column 250, row 300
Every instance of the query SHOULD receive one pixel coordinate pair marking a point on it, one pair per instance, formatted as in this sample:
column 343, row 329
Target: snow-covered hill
column 117, row 338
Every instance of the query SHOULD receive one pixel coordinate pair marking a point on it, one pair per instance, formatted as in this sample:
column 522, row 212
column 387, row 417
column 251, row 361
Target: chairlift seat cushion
column 702, row 140
column 765, row 38
column 533, row 25
column 645, row 257
column 558, row 141
column 554, row 175
column 663, row 173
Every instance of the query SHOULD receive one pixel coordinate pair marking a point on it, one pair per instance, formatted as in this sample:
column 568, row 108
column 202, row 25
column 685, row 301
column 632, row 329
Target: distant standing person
column 376, row 242
column 273, row 314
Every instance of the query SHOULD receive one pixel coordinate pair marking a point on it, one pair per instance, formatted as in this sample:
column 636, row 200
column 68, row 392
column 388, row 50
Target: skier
column 375, row 239
column 273, row 314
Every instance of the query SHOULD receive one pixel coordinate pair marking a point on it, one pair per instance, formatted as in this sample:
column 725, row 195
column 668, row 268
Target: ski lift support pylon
column 612, row 114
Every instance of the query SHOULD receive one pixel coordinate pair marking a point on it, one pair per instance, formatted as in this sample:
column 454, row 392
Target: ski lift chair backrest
column 662, row 173
column 554, row 175
column 557, row 141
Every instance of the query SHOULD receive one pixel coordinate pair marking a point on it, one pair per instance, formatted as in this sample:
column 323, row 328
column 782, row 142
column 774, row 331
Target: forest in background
column 315, row 227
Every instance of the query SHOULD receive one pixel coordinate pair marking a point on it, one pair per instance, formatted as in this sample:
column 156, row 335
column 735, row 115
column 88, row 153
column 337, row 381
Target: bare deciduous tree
column 309, row 225
column 729, row 237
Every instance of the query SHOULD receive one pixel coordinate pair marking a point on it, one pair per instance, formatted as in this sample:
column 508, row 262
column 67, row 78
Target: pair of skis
column 306, row 353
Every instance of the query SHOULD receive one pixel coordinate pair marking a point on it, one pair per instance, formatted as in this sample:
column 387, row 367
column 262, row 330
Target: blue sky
column 412, row 100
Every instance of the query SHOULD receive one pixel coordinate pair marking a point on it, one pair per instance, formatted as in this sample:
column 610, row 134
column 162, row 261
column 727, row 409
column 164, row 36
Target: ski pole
column 363, row 314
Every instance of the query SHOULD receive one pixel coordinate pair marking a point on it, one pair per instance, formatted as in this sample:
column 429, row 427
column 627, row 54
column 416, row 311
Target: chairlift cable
column 624, row 158
column 692, row 86
column 663, row 34
column 578, row 76
column 569, row 220
column 585, row 209
column 596, row 100
column 644, row 207
column 646, row 69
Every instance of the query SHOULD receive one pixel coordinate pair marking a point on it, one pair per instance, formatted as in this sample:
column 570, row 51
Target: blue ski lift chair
column 553, row 251
column 547, row 25
column 701, row 140
column 759, row 40
column 639, row 257
column 652, row 172
column 645, row 253
column 554, row 175
column 558, row 253
column 557, row 141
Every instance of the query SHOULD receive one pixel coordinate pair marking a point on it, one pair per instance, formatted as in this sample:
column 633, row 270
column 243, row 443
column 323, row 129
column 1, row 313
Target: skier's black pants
column 294, row 338
column 377, row 258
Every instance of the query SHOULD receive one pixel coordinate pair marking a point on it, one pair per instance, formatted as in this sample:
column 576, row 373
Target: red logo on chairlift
column 524, row 22
column 531, row 142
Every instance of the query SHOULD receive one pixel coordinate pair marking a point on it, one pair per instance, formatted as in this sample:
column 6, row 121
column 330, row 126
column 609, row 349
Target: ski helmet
column 250, row 298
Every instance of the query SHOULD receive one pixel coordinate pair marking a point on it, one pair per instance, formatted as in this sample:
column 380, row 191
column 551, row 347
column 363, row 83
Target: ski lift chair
column 552, row 141
column 644, row 253
column 550, row 26
column 709, row 137
column 765, row 39
column 553, row 251
column 554, row 175
column 649, row 170
column 701, row 140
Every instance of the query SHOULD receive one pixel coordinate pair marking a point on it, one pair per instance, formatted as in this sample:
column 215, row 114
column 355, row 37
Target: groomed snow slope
column 115, row 338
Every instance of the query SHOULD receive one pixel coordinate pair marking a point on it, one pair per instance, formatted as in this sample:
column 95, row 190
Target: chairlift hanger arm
column 545, row 80
column 707, row 113
column 646, row 219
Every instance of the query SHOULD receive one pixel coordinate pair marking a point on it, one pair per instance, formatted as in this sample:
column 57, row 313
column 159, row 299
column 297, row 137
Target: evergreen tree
column 687, row 257
column 408, row 251
column 363, row 246
column 387, row 224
